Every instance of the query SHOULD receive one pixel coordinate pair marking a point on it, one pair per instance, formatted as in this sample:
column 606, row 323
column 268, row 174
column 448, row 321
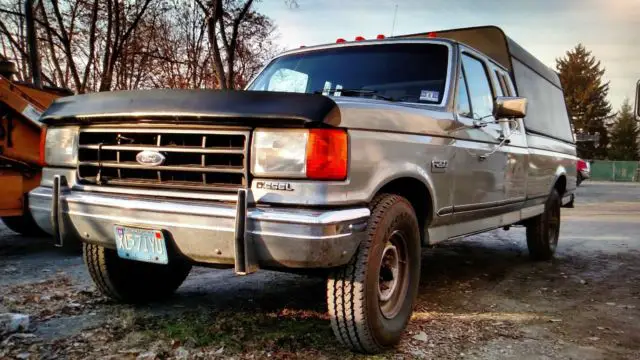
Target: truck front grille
column 193, row 159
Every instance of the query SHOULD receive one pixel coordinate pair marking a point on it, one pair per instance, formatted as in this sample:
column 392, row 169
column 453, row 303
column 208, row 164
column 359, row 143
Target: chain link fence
column 605, row 170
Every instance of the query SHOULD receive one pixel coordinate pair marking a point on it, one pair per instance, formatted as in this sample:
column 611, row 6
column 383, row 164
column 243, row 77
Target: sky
column 610, row 29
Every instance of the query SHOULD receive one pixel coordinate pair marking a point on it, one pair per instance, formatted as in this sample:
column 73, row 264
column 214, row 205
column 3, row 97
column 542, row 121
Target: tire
column 579, row 180
column 543, row 230
column 24, row 225
column 366, row 315
column 130, row 281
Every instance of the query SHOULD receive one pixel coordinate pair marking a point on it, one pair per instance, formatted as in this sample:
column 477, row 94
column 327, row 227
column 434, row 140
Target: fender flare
column 416, row 173
column 561, row 171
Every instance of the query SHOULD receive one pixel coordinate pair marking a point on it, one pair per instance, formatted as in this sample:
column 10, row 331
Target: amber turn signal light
column 327, row 154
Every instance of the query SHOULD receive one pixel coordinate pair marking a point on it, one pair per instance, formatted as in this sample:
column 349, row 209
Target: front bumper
column 213, row 232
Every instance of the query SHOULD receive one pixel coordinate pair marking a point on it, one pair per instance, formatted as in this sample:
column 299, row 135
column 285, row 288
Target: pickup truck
column 343, row 158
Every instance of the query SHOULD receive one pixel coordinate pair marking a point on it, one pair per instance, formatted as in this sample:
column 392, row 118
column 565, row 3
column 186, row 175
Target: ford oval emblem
column 150, row 158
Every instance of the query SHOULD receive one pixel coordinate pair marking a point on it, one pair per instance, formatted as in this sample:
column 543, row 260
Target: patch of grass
column 241, row 331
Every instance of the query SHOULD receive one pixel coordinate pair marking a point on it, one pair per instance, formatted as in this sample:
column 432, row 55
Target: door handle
column 504, row 140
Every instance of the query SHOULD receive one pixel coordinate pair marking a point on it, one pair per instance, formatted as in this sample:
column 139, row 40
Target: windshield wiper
column 347, row 92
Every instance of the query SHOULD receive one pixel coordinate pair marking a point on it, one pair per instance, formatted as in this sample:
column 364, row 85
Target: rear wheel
column 579, row 180
column 371, row 299
column 133, row 281
column 543, row 230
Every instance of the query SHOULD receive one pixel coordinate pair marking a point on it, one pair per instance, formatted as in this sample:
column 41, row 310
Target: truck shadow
column 15, row 244
column 273, row 309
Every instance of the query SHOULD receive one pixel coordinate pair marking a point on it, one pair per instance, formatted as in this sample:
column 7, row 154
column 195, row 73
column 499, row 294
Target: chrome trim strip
column 197, row 150
column 275, row 215
column 195, row 168
column 152, row 130
column 156, row 193
column 487, row 205
column 310, row 217
column 299, row 236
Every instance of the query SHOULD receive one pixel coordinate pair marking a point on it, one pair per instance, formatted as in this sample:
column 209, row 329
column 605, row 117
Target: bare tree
column 227, row 21
column 13, row 40
column 182, row 58
column 101, row 45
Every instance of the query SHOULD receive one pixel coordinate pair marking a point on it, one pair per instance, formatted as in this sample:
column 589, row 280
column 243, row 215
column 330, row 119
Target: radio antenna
column 395, row 13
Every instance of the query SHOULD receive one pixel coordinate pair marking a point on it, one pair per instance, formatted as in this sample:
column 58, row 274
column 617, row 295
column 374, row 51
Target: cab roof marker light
column 432, row 35
column 380, row 37
column 360, row 38
column 340, row 41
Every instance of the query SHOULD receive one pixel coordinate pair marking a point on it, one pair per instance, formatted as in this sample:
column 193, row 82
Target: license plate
column 141, row 244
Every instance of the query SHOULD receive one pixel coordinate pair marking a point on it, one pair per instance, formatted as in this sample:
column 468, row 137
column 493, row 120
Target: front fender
column 405, row 171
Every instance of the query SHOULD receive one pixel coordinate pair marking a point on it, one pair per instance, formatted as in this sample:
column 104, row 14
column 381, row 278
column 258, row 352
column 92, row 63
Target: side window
column 507, row 85
column 478, row 85
column 462, row 101
column 500, row 90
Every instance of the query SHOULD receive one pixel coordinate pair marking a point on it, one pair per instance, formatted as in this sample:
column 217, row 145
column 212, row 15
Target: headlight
column 319, row 154
column 280, row 153
column 60, row 146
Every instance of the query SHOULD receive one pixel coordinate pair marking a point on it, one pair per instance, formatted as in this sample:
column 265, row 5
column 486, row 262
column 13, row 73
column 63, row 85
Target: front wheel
column 543, row 230
column 132, row 281
column 371, row 299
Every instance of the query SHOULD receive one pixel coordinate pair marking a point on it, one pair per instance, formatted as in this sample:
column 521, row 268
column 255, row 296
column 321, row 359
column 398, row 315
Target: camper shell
column 547, row 112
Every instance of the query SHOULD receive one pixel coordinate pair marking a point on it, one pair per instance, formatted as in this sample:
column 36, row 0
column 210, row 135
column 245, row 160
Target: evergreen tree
column 585, row 94
column 624, row 135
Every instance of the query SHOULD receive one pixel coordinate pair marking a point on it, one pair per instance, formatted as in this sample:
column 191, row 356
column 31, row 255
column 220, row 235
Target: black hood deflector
column 201, row 106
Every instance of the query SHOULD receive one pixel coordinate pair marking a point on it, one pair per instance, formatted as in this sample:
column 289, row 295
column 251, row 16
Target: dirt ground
column 480, row 298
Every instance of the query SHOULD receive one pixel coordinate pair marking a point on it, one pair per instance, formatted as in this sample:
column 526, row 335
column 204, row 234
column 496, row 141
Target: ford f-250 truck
column 347, row 157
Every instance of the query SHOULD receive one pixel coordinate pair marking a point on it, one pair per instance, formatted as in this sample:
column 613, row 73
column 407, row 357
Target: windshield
column 397, row 72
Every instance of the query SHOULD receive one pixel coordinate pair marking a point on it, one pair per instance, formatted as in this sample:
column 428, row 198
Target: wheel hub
column 389, row 269
column 392, row 277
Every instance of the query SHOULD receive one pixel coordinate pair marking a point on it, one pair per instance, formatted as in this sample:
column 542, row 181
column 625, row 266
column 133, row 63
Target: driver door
column 479, row 165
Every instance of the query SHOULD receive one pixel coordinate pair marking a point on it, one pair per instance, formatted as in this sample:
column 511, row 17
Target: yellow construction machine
column 21, row 104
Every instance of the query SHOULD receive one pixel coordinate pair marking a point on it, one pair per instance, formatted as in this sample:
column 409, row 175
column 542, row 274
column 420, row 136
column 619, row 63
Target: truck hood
column 258, row 108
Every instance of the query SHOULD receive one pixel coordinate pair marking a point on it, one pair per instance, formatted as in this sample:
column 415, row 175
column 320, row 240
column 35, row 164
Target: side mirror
column 637, row 112
column 509, row 107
